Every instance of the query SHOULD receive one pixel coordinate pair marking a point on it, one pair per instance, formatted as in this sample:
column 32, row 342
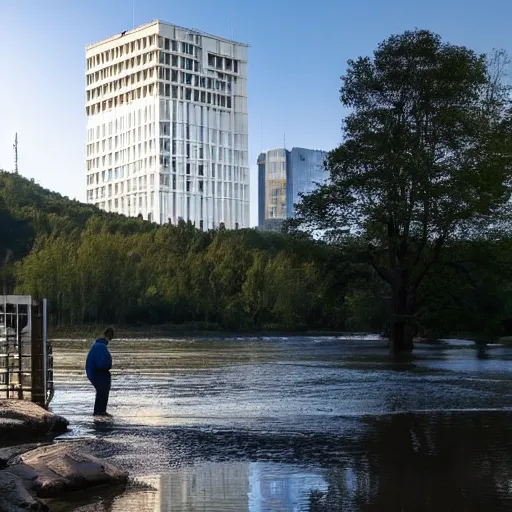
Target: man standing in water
column 97, row 367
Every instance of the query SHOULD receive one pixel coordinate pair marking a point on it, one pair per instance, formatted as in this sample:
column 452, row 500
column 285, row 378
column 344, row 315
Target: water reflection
column 275, row 487
column 299, row 424
column 212, row 486
column 482, row 352
column 441, row 462
column 407, row 462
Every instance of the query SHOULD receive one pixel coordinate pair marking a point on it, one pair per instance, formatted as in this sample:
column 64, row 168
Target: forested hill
column 96, row 267
column 22, row 195
column 48, row 212
column 106, row 268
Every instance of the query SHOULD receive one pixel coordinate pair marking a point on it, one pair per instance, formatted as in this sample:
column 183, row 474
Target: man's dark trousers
column 101, row 383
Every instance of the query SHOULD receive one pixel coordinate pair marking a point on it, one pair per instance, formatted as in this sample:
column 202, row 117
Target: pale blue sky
column 298, row 52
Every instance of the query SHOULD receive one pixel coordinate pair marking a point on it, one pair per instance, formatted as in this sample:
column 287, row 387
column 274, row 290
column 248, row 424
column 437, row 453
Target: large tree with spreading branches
column 426, row 159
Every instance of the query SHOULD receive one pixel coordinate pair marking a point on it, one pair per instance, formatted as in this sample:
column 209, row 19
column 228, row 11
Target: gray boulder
column 21, row 420
column 10, row 452
column 48, row 471
column 14, row 497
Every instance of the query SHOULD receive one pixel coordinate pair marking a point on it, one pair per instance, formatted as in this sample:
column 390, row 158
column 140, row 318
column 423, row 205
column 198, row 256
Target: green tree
column 15, row 240
column 425, row 160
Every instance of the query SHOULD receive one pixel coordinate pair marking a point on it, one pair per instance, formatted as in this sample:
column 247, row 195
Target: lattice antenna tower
column 15, row 147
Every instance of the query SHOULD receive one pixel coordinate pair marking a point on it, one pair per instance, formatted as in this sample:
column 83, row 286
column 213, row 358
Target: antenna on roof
column 261, row 134
column 232, row 34
column 15, row 147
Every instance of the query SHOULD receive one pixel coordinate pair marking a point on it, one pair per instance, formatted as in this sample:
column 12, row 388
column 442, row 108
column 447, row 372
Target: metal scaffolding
column 26, row 359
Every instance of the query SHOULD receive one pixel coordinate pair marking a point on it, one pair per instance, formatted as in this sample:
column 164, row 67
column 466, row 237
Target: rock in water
column 23, row 420
column 14, row 497
column 9, row 452
column 62, row 467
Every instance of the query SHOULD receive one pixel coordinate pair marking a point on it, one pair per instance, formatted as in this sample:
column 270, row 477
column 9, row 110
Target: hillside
column 96, row 267
column 99, row 268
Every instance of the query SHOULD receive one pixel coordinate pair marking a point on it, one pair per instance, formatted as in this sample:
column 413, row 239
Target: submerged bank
column 206, row 331
column 199, row 330
column 33, row 470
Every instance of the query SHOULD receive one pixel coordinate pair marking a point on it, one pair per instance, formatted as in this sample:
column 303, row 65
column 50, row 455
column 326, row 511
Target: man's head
column 109, row 334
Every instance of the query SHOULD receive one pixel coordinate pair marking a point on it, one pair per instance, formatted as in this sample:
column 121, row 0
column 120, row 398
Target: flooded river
column 296, row 424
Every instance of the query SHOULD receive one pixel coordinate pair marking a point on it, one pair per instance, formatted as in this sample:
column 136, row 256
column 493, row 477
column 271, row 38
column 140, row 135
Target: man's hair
column 109, row 333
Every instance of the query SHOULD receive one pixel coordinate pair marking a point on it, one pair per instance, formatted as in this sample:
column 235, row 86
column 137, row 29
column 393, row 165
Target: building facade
column 282, row 176
column 167, row 130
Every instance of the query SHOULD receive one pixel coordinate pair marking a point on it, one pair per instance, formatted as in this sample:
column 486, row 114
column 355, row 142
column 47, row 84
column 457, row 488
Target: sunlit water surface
column 295, row 424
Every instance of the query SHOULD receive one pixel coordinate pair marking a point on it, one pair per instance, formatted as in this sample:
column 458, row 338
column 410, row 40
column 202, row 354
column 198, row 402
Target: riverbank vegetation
column 412, row 230
column 98, row 268
column 420, row 186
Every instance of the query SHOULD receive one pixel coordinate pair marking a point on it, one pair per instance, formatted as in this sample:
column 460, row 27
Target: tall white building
column 167, row 131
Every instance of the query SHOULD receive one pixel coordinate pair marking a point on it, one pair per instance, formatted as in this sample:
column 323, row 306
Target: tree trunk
column 401, row 332
column 401, row 337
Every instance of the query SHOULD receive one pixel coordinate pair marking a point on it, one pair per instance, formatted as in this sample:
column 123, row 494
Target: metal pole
column 20, row 353
column 7, row 380
column 45, row 348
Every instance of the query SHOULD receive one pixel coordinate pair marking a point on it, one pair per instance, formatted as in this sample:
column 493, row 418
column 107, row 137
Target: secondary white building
column 167, row 131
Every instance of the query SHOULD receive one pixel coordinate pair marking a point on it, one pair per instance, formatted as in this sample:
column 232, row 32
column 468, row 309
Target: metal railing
column 26, row 358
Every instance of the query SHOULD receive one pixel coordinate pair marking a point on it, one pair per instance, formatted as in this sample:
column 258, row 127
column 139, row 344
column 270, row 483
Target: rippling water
column 296, row 424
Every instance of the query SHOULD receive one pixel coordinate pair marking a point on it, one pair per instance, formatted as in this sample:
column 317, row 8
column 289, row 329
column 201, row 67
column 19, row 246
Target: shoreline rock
column 25, row 421
column 30, row 473
column 8, row 453
column 14, row 495
column 51, row 470
column 32, row 477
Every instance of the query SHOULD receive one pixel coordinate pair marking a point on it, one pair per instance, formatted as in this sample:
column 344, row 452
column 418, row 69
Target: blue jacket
column 98, row 358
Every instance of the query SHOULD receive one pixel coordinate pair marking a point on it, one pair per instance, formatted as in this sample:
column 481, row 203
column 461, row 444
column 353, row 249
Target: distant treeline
column 96, row 267
column 103, row 268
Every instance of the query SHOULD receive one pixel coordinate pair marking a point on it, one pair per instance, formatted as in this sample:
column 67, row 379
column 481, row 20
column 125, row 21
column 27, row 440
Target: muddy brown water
column 296, row 424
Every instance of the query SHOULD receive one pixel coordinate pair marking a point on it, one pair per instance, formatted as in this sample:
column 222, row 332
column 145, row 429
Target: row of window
column 182, row 148
column 181, row 131
column 189, row 94
column 223, row 63
column 120, row 67
column 118, row 85
column 173, row 182
column 181, row 93
column 123, row 125
column 174, row 148
column 215, row 171
column 163, row 73
column 119, row 204
column 178, row 62
column 208, row 188
column 116, row 173
column 107, row 175
column 120, row 157
column 142, row 161
column 276, row 166
column 119, row 124
column 201, row 134
column 173, row 75
column 119, row 51
column 128, row 97
column 123, row 140
column 165, row 43
column 276, row 153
